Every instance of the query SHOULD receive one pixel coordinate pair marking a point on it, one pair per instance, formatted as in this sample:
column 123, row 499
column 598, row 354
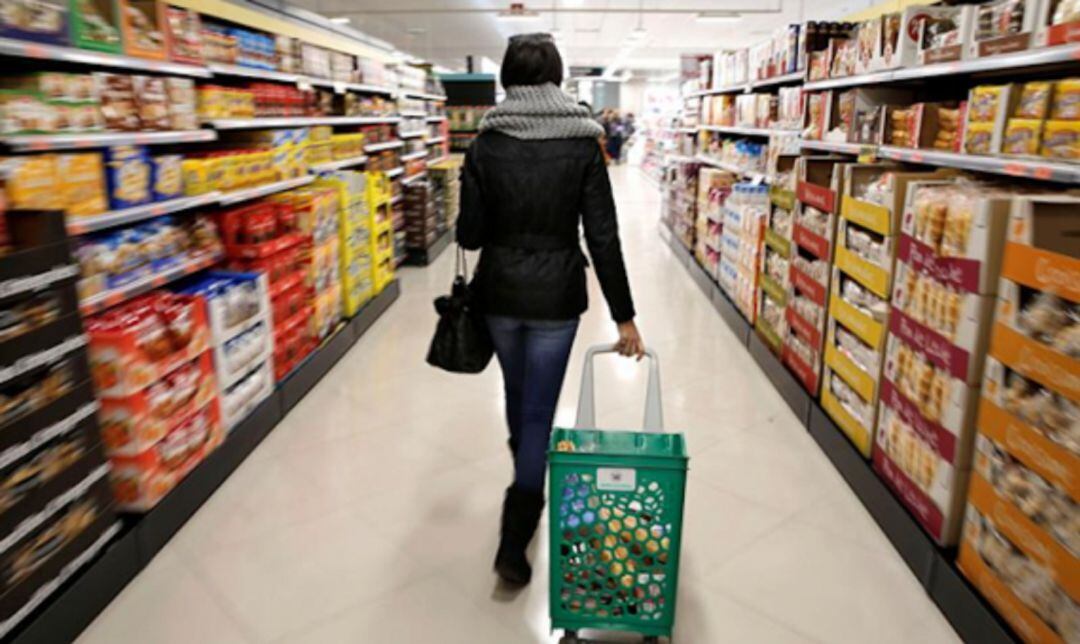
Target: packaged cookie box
column 900, row 35
column 239, row 400
column 36, row 380
column 133, row 423
column 1058, row 23
column 954, row 232
column 866, row 257
column 144, row 25
column 852, row 413
column 1028, row 575
column 945, row 36
column 184, row 35
column 95, row 24
column 988, row 110
column 44, row 21
column 240, row 354
column 1004, row 26
column 929, row 126
column 863, row 112
column 924, row 471
column 53, row 545
column 1040, row 277
column 950, row 324
column 141, row 480
column 234, row 301
column 46, row 453
column 820, row 180
column 128, row 173
column 935, row 402
column 134, row 345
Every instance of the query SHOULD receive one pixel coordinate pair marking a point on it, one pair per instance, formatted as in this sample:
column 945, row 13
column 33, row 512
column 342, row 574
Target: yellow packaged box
column 1022, row 136
column 979, row 138
column 1066, row 106
column 1061, row 140
column 32, row 183
column 83, row 186
column 196, row 177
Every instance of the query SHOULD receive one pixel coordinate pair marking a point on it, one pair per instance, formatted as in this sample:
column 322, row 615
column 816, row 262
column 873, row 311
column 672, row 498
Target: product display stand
column 81, row 599
column 973, row 619
column 425, row 256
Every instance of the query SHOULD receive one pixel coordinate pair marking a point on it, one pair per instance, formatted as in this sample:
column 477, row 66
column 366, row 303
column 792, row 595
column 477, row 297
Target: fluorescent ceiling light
column 718, row 16
column 341, row 20
column 517, row 15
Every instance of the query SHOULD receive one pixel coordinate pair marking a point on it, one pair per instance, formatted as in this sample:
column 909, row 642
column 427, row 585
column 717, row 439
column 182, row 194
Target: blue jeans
column 533, row 355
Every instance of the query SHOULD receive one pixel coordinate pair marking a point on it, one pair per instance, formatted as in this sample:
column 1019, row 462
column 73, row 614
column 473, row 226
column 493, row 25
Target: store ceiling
column 591, row 32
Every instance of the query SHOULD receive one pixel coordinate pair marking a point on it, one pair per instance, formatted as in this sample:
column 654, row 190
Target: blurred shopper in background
column 533, row 175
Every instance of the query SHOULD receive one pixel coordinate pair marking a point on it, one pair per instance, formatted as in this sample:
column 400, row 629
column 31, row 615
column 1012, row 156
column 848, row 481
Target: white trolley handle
column 586, row 411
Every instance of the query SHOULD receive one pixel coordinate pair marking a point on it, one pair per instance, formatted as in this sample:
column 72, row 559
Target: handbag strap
column 461, row 263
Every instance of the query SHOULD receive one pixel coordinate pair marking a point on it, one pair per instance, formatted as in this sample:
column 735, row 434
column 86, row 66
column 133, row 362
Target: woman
column 535, row 171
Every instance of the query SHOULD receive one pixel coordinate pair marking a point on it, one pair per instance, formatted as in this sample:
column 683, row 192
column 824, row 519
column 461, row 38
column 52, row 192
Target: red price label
column 35, row 51
column 157, row 211
column 916, row 157
column 39, row 145
column 1015, row 169
column 1043, row 172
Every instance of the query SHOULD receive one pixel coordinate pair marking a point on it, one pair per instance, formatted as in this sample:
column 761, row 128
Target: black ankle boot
column 520, row 516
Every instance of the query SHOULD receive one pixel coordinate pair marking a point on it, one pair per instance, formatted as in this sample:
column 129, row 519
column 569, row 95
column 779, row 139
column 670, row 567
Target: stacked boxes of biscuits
column 862, row 274
column 56, row 510
column 948, row 260
column 1020, row 543
column 775, row 269
column 812, row 233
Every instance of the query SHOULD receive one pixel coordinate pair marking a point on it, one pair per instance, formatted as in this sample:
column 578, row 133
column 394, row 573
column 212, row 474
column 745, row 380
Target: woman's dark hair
column 531, row 59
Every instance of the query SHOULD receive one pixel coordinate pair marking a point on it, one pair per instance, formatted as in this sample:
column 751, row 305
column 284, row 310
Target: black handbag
column 462, row 342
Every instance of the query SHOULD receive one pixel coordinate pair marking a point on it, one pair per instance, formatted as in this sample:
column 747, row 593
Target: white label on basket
column 616, row 479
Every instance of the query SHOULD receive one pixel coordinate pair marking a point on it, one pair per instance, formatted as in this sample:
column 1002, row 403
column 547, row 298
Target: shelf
column 413, row 113
column 341, row 88
column 436, row 119
column 682, row 158
column 222, row 69
column 393, row 172
column 431, row 162
column 731, row 167
column 745, row 131
column 379, row 147
column 786, row 79
column 436, row 140
column 110, row 298
column 422, row 96
column 731, row 89
column 413, row 178
column 419, row 154
column 25, row 49
column 298, row 121
column 42, row 142
column 1033, row 58
column 412, row 135
column 236, row 196
column 82, row 225
column 830, row 146
column 396, row 198
column 1026, row 168
column 339, row 164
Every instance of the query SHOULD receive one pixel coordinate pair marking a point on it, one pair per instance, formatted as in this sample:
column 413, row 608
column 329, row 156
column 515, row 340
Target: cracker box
column 143, row 24
column 95, row 25
column 945, row 36
column 44, row 21
column 167, row 176
column 83, row 184
column 134, row 423
column 1004, row 26
column 128, row 174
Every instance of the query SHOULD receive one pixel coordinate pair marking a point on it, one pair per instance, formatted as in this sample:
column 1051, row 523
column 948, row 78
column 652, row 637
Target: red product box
column 140, row 481
column 138, row 343
column 134, row 423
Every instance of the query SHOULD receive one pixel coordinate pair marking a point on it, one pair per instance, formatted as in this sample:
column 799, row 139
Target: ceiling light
column 341, row 20
column 517, row 11
column 638, row 34
column 718, row 16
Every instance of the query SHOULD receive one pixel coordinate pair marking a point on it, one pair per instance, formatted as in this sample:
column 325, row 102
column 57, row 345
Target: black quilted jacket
column 521, row 203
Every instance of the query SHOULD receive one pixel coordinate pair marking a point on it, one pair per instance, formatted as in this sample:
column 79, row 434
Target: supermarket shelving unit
column 935, row 568
column 73, row 601
column 77, row 603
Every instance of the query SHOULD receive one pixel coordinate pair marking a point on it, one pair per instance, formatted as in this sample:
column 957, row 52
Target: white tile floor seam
column 370, row 513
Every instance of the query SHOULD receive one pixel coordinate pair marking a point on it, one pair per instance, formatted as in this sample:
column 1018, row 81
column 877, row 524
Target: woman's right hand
column 630, row 343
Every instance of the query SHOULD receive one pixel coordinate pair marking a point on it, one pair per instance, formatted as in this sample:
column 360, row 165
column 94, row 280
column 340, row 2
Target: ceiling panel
column 445, row 31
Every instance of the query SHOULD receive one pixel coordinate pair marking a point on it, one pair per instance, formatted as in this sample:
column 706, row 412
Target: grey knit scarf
column 540, row 112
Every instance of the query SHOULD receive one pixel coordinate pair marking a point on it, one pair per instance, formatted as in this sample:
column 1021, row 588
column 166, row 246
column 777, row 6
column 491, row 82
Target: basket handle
column 586, row 411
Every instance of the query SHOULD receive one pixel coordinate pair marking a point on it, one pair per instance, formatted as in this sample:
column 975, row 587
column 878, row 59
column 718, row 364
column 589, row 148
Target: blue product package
column 127, row 174
column 167, row 177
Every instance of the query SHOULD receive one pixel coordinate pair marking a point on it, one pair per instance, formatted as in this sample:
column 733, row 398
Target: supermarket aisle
column 369, row 514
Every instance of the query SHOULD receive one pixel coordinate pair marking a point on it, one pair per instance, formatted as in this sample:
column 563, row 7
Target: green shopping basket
column 616, row 504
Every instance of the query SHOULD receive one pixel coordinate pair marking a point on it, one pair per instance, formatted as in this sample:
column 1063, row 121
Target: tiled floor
column 369, row 514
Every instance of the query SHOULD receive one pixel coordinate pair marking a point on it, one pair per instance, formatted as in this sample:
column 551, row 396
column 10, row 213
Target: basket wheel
column 569, row 637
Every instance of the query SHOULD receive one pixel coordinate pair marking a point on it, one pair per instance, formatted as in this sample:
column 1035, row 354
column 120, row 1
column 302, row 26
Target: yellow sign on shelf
column 870, row 275
column 866, row 327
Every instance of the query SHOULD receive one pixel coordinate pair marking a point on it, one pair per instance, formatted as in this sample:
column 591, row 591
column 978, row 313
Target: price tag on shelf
column 35, row 51
column 339, row 87
column 1015, row 169
column 303, row 85
column 1043, row 172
